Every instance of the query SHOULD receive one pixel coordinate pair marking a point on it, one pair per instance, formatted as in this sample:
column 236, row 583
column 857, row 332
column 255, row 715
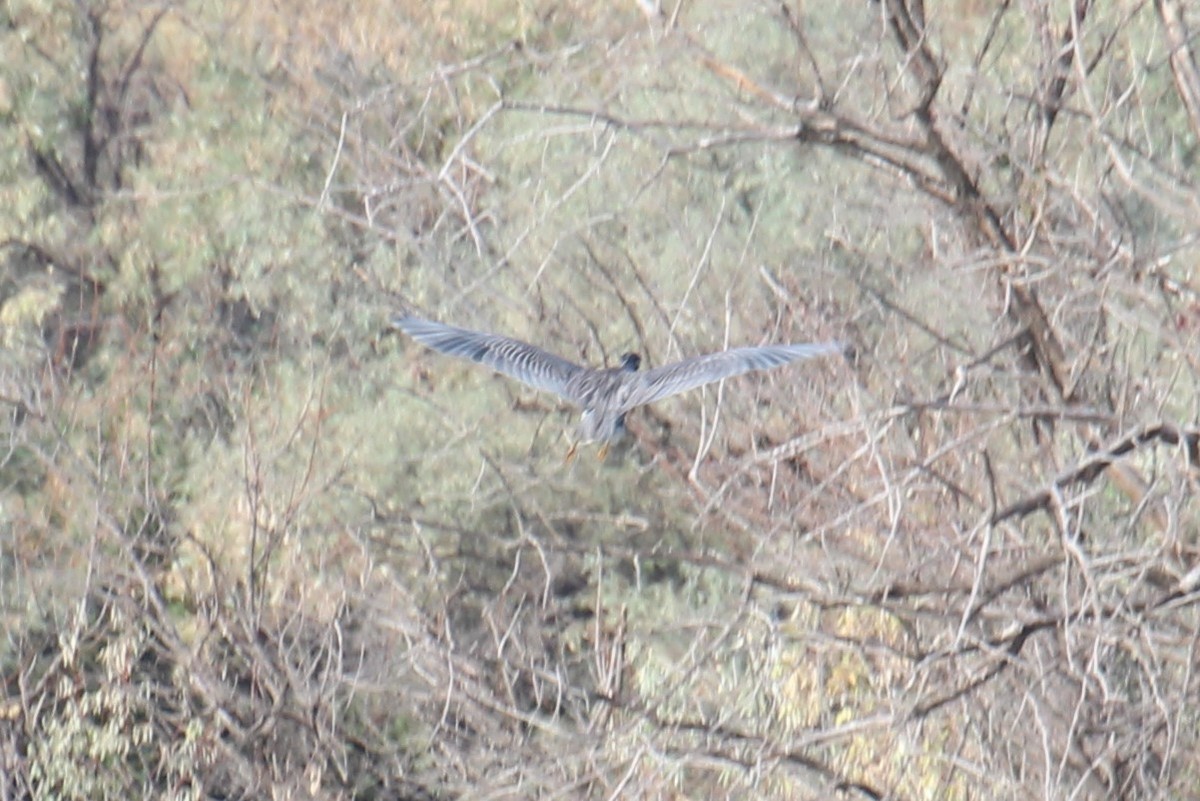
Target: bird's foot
column 570, row 453
column 603, row 453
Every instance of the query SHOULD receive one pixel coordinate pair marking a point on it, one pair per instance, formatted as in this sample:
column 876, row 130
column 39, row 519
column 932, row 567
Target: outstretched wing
column 671, row 379
column 530, row 365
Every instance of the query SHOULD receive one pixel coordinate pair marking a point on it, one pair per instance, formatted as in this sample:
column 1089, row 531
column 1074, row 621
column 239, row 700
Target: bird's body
column 605, row 395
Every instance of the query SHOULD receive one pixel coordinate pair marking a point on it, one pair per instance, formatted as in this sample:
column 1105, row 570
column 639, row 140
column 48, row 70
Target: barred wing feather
column 671, row 379
column 513, row 358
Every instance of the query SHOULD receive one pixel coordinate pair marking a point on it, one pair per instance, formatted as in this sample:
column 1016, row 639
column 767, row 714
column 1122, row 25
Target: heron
column 605, row 395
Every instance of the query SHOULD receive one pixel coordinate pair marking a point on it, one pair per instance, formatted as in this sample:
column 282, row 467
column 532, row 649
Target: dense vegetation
column 254, row 545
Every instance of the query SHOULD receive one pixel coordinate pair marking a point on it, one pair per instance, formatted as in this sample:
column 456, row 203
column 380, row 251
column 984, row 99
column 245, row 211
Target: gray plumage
column 605, row 395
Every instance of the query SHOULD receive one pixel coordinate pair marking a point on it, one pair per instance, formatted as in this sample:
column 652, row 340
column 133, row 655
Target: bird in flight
column 605, row 395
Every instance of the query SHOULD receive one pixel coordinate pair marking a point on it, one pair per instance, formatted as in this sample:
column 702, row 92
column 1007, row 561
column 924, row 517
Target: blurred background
column 255, row 545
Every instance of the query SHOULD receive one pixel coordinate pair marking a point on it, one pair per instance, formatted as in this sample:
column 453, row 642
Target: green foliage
column 97, row 738
column 256, row 546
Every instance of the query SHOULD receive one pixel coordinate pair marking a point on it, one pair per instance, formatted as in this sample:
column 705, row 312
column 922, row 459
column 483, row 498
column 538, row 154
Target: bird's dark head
column 631, row 362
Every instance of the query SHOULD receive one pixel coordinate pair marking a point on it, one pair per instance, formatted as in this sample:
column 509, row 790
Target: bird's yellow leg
column 603, row 452
column 570, row 453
